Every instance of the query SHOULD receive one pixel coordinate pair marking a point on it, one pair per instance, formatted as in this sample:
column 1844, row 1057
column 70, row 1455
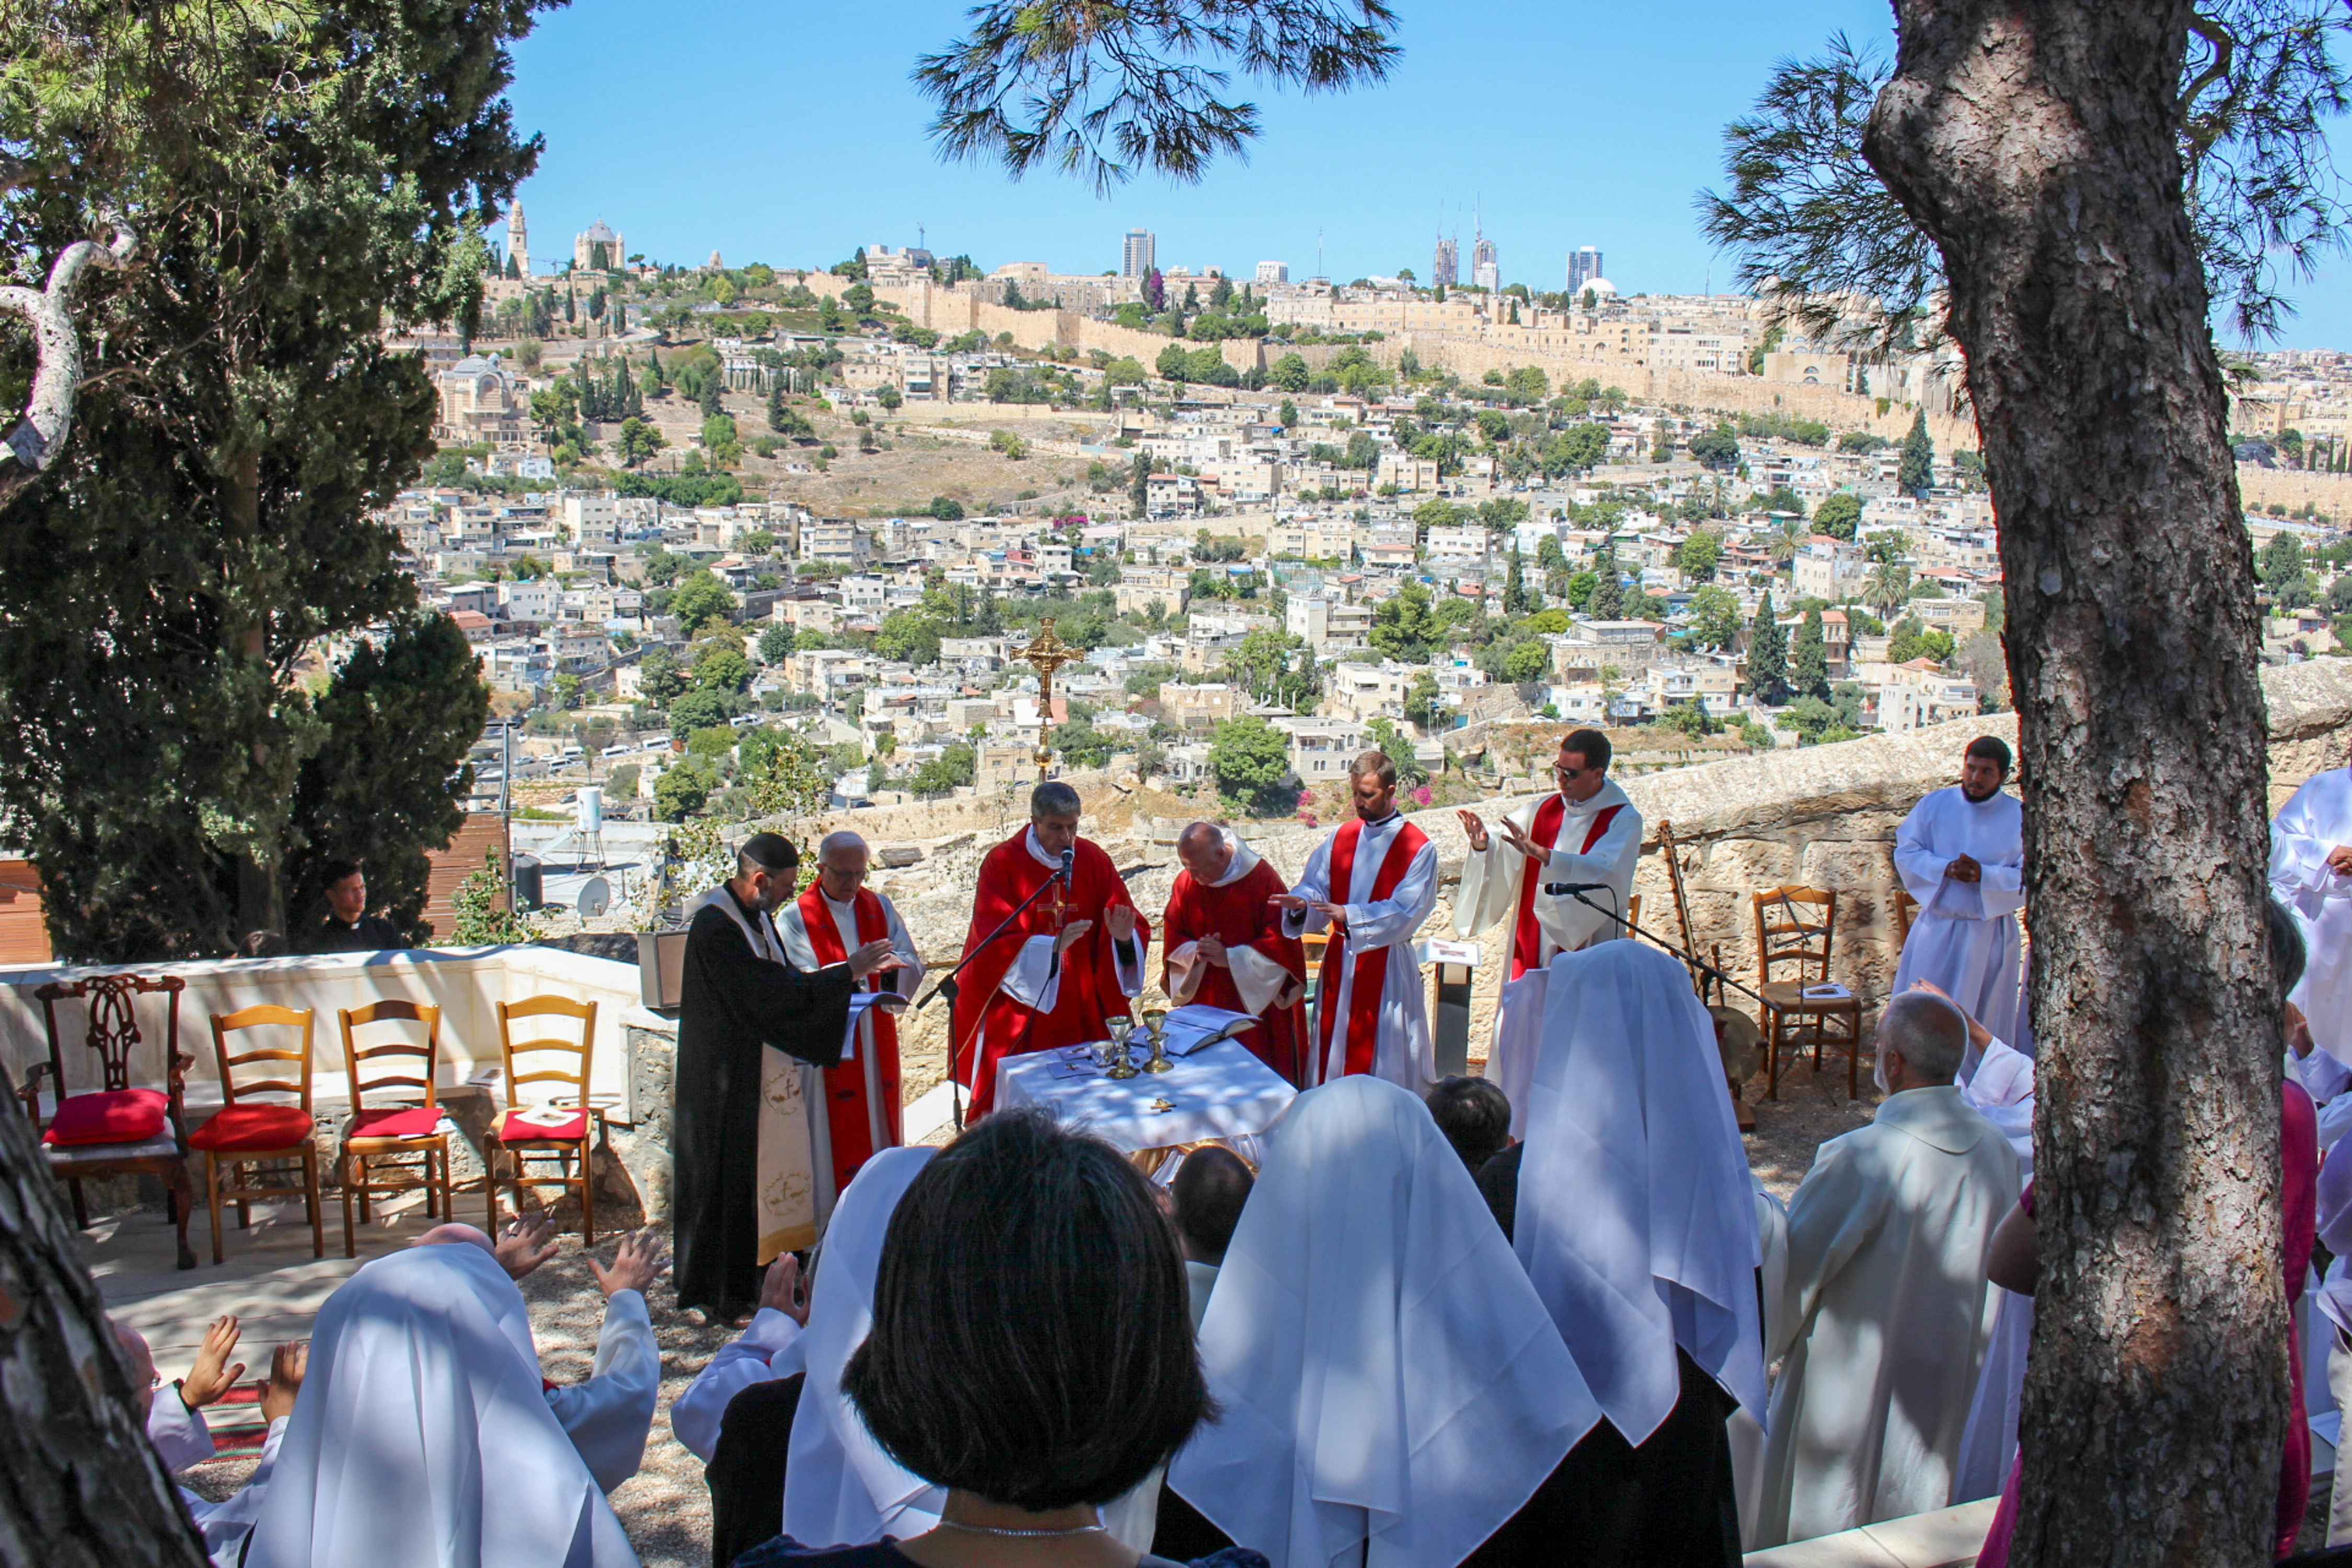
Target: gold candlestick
column 1156, row 1020
column 1047, row 653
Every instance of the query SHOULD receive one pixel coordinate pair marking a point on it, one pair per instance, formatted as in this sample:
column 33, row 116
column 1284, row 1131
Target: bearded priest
column 1588, row 832
column 833, row 918
column 1071, row 958
column 1226, row 946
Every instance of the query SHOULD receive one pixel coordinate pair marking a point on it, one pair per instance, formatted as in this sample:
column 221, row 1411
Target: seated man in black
column 348, row 926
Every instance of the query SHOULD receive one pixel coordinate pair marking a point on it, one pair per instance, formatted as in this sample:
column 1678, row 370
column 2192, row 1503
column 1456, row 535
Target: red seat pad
column 243, row 1128
column 407, row 1122
column 513, row 1132
column 115, row 1116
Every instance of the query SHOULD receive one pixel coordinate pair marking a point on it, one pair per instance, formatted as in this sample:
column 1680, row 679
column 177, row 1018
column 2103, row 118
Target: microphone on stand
column 1067, row 856
column 1569, row 889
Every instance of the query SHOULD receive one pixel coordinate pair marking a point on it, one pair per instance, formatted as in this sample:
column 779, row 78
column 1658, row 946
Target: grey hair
column 1053, row 800
column 1931, row 1033
column 845, row 840
column 1193, row 832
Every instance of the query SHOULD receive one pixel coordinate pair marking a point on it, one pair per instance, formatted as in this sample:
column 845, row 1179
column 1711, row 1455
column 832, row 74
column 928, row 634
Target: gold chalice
column 1121, row 1065
column 1156, row 1019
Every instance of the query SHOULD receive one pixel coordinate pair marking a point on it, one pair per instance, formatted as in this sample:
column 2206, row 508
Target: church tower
column 517, row 240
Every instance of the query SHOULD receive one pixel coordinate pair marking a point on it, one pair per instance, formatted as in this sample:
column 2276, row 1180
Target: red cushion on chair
column 241, row 1128
column 513, row 1132
column 117, row 1116
column 411, row 1121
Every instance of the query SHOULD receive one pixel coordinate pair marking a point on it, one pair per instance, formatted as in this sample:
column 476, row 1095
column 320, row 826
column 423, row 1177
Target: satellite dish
column 595, row 897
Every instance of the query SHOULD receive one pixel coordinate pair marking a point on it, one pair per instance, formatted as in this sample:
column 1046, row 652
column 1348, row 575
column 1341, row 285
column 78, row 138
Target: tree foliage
column 1251, row 763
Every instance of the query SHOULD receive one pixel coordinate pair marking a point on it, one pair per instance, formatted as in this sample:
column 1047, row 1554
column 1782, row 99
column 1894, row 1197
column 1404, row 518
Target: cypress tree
column 1809, row 659
column 1767, row 657
column 1916, row 469
column 1608, row 600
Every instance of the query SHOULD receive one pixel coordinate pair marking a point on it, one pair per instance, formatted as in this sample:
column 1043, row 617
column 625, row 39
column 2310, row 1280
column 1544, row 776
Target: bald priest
column 1226, row 946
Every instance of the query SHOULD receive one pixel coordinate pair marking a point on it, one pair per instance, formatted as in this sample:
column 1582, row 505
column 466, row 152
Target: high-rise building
column 1273, row 272
column 1485, row 268
column 1136, row 260
column 519, row 241
column 1583, row 267
column 1445, row 266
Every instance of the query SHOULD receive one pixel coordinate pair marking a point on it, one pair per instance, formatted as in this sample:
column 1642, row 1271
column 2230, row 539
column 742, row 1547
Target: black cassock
column 732, row 1003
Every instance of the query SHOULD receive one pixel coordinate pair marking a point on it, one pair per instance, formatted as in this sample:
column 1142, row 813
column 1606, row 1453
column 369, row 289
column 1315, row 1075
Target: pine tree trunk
column 80, row 1486
column 2035, row 144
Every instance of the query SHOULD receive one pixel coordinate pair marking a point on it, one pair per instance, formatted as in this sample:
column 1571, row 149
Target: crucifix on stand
column 1047, row 653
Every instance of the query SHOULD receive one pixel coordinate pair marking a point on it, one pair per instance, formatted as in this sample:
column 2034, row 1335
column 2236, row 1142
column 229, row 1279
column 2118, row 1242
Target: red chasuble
column 1527, row 936
column 1239, row 915
column 1372, row 967
column 991, row 1026
column 846, row 1112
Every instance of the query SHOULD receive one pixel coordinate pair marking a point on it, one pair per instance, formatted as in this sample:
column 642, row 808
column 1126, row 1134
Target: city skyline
column 846, row 163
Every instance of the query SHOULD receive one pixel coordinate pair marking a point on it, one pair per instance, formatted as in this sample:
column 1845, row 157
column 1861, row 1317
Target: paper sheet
column 859, row 1001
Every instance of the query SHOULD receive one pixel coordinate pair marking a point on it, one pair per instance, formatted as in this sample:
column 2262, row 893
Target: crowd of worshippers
column 1407, row 1338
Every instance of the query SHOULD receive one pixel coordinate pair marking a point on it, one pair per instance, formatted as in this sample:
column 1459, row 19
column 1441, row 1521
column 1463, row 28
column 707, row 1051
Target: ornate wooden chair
column 396, row 1145
column 564, row 1129
column 1797, row 926
column 116, row 1130
column 248, row 1132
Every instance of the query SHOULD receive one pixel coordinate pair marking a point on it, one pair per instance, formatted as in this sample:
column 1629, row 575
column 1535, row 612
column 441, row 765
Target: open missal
column 1187, row 1030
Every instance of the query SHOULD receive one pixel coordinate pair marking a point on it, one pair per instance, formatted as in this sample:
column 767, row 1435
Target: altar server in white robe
column 1637, row 1222
column 1588, row 832
column 422, row 1436
column 1392, row 1390
column 1372, row 884
column 2311, row 874
column 1961, row 853
column 1886, row 1309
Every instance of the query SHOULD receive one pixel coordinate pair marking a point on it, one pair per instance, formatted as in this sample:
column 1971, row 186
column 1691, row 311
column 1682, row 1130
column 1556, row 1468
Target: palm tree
column 1888, row 585
column 1788, row 538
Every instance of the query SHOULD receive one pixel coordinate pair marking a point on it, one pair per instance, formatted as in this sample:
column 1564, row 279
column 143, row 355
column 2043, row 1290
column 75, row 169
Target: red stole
column 1239, row 915
column 1527, row 936
column 846, row 1115
column 1371, row 968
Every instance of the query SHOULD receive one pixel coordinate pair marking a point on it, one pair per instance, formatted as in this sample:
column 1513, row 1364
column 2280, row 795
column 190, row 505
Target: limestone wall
column 1821, row 815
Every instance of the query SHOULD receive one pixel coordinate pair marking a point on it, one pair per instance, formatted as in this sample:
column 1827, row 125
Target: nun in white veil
column 1393, row 1391
column 422, row 1436
column 1637, row 1221
column 840, row 1488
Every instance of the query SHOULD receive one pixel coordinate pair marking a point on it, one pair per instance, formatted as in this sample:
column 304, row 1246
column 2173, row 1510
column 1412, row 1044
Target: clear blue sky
column 789, row 135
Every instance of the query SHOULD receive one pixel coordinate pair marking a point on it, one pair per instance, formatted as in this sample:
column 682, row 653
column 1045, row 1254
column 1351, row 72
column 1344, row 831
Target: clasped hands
column 1964, row 869
column 2339, row 859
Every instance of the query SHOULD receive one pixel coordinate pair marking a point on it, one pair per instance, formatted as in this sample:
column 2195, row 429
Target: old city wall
column 2295, row 490
column 1824, row 816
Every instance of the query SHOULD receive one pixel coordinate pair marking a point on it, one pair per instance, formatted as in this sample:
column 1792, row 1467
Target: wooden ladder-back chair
column 116, row 1129
column 1906, row 909
column 1797, row 926
column 246, row 1132
column 525, row 1132
column 400, row 1133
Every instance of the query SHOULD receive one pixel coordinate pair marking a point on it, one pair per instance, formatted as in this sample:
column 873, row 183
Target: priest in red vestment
column 1226, row 946
column 834, row 916
column 1070, row 959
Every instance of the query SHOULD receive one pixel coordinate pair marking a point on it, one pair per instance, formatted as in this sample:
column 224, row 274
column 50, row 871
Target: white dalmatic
column 1404, row 1051
column 1492, row 884
column 1964, row 937
column 2317, row 819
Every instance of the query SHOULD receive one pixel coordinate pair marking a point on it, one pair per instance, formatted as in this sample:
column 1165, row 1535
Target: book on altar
column 1188, row 1029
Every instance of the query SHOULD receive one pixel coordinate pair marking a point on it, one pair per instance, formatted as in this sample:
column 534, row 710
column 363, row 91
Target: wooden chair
column 1797, row 926
column 572, row 1140
column 396, row 1131
column 1906, row 907
column 246, row 1133
column 116, row 1130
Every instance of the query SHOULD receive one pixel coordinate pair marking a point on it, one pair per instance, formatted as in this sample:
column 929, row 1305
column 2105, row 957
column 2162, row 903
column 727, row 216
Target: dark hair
column 1053, row 800
column 1589, row 744
column 1474, row 1114
column 2288, row 953
column 767, row 852
column 1032, row 1340
column 1376, row 763
column 1498, row 1184
column 1993, row 747
column 335, row 871
column 1210, row 1188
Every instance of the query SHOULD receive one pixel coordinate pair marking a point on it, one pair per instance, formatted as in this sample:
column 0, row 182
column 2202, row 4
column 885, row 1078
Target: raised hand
column 1119, row 919
column 288, row 1366
column 1516, row 837
column 212, row 1377
column 637, row 1262
column 529, row 1242
column 875, row 955
column 779, row 1288
column 1476, row 827
column 1289, row 902
column 1072, row 934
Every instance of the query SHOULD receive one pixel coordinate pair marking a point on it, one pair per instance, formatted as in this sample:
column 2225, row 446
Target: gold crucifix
column 1047, row 653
